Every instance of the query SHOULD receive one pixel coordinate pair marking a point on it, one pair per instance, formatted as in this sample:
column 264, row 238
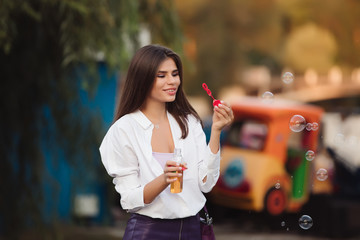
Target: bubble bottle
column 176, row 187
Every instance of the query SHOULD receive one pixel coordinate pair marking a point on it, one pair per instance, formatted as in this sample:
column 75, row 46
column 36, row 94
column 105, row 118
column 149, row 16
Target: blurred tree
column 162, row 19
column 43, row 44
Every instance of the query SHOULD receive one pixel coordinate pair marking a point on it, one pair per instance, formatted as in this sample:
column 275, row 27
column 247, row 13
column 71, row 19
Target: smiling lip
column 170, row 91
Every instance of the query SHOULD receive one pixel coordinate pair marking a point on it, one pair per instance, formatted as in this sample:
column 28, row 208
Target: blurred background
column 62, row 63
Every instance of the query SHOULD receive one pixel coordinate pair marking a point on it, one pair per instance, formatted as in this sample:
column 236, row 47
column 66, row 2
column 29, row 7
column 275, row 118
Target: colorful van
column 263, row 164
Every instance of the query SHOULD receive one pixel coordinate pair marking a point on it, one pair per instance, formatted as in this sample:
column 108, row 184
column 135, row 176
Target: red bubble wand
column 215, row 102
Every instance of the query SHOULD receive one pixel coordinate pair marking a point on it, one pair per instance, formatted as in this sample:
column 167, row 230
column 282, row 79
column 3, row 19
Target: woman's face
column 166, row 83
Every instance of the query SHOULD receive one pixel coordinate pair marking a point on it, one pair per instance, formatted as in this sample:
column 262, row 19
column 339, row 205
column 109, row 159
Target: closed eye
column 175, row 73
column 162, row 74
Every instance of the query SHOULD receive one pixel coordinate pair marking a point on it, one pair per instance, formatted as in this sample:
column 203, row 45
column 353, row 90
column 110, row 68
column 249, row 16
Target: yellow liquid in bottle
column 176, row 187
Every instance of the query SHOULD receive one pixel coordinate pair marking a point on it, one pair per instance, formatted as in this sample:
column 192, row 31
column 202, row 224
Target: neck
column 154, row 111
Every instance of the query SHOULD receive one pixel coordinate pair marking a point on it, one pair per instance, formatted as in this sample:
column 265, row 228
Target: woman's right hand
column 172, row 170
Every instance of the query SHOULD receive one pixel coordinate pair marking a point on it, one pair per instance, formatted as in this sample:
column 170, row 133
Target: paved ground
column 337, row 219
column 230, row 224
column 223, row 231
column 234, row 226
column 227, row 231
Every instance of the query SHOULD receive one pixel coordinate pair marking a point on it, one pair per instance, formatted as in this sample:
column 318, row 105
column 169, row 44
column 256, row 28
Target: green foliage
column 160, row 17
column 43, row 44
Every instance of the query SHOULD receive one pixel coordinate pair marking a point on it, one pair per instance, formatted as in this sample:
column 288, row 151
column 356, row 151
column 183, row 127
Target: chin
column 169, row 98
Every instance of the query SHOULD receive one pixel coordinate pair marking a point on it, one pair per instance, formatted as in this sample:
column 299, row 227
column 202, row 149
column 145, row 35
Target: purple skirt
column 140, row 227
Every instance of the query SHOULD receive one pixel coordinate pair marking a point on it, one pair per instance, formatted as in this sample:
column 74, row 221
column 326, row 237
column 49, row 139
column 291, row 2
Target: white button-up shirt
column 126, row 153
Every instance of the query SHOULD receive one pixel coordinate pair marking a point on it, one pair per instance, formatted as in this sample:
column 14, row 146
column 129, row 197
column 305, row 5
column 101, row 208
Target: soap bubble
column 339, row 139
column 297, row 123
column 322, row 174
column 308, row 126
column 352, row 141
column 314, row 126
column 277, row 185
column 287, row 77
column 283, row 224
column 310, row 155
column 305, row 222
column 268, row 97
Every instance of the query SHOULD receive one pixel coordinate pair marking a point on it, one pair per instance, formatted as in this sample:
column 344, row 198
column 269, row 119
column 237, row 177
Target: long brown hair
column 140, row 79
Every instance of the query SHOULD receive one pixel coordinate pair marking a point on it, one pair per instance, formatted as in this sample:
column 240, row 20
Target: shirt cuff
column 213, row 159
column 133, row 200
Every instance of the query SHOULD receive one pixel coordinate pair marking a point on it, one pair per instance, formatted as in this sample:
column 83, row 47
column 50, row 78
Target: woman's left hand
column 223, row 116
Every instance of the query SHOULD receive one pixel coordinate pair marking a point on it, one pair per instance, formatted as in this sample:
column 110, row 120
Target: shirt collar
column 141, row 119
column 144, row 122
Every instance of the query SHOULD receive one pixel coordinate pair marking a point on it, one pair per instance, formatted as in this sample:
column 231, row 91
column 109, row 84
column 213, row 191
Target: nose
column 172, row 79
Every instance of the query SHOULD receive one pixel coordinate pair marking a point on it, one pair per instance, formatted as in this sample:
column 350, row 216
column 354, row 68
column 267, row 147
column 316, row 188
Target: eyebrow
column 175, row 70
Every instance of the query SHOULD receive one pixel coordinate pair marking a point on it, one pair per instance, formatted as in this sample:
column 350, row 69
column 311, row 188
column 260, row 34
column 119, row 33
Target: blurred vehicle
column 263, row 165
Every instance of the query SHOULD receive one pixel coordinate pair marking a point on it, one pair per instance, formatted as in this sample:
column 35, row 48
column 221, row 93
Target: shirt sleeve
column 209, row 163
column 121, row 163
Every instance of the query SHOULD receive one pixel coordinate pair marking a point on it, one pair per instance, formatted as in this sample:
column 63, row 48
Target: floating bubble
column 287, row 77
column 297, row 123
column 322, row 174
column 308, row 126
column 310, row 155
column 314, row 126
column 277, row 185
column 282, row 224
column 352, row 141
column 339, row 139
column 305, row 222
column 268, row 97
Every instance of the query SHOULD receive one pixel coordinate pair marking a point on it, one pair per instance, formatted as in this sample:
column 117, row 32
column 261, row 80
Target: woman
column 153, row 118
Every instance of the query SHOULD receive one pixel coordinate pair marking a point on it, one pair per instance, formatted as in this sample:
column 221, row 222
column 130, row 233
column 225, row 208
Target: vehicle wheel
column 275, row 202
